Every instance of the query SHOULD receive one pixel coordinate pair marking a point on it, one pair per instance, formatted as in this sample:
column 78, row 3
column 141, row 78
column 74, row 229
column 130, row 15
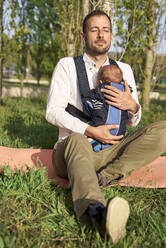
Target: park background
column 34, row 35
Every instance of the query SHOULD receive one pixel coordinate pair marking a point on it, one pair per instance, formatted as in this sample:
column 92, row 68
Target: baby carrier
column 114, row 115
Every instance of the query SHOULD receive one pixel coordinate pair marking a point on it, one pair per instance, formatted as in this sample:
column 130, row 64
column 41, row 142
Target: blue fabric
column 101, row 113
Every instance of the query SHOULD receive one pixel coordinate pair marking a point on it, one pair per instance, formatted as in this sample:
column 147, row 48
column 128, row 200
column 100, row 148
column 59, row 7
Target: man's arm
column 60, row 95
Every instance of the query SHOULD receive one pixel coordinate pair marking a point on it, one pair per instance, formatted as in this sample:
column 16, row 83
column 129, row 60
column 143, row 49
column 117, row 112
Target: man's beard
column 96, row 50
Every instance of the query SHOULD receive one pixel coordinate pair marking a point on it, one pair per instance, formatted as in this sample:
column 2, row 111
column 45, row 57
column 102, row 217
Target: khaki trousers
column 75, row 159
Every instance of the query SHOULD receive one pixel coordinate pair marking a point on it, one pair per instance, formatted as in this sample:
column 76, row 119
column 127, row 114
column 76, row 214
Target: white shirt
column 64, row 90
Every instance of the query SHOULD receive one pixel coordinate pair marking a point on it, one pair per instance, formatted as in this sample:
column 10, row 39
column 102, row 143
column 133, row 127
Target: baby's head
column 109, row 73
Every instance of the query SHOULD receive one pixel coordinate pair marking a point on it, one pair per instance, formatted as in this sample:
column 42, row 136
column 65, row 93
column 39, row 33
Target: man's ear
column 82, row 35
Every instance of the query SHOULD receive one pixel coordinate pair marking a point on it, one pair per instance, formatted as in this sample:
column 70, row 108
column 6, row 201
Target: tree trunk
column 1, row 45
column 107, row 7
column 85, row 8
column 149, row 55
column 147, row 80
column 70, row 44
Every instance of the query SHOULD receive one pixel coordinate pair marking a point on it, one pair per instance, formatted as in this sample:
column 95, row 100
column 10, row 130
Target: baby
column 98, row 110
column 109, row 73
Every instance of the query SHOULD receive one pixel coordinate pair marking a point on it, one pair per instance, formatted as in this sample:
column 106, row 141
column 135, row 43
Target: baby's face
column 109, row 77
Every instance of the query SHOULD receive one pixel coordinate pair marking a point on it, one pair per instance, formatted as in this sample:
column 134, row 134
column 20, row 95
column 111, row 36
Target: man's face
column 98, row 35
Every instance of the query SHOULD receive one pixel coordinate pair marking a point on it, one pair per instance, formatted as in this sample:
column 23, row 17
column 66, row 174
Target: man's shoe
column 117, row 213
column 96, row 212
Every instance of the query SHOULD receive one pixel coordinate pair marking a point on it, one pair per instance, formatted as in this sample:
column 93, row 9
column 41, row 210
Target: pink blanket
column 152, row 175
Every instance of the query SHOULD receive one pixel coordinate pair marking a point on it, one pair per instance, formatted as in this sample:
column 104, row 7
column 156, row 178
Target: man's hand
column 120, row 99
column 102, row 133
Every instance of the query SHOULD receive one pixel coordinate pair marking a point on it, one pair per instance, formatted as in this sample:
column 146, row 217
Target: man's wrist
column 89, row 131
column 133, row 107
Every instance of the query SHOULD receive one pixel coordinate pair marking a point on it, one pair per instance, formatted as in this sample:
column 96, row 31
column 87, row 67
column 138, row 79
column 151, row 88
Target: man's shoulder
column 123, row 65
column 66, row 63
column 66, row 60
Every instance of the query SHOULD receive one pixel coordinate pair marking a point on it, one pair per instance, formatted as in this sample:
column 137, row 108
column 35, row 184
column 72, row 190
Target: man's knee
column 159, row 127
column 159, row 130
column 162, row 134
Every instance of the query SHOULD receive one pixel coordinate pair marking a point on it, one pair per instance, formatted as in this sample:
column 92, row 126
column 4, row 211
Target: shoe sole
column 117, row 215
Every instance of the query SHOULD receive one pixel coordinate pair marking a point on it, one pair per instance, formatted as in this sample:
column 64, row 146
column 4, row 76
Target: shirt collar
column 90, row 62
column 106, row 62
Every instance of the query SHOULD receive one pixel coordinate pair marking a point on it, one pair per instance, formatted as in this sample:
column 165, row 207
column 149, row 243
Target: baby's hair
column 109, row 73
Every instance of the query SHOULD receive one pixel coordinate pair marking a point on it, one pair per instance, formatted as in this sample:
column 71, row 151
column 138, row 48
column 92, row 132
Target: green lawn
column 33, row 213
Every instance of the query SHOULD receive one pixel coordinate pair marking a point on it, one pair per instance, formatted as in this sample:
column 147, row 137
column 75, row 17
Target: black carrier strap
column 77, row 113
column 83, row 84
column 81, row 76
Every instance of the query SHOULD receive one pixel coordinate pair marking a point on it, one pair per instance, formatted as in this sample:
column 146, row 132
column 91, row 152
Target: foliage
column 21, row 37
column 69, row 17
column 138, row 26
column 132, row 20
column 1, row 44
column 34, row 25
column 41, row 20
column 50, row 30
column 10, row 52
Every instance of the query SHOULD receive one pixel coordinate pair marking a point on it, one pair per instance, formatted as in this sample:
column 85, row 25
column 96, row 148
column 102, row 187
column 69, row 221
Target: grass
column 23, row 124
column 35, row 214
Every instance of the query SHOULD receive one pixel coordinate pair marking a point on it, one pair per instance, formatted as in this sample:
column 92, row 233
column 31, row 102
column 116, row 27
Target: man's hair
column 94, row 13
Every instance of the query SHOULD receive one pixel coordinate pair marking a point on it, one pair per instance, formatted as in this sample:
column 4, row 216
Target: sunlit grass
column 33, row 213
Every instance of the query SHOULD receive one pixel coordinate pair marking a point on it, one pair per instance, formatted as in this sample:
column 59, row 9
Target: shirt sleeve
column 58, row 99
column 133, row 119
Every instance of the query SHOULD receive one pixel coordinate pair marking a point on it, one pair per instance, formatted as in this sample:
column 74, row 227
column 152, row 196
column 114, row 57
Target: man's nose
column 100, row 33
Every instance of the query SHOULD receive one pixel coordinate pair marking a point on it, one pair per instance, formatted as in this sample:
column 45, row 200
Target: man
column 73, row 157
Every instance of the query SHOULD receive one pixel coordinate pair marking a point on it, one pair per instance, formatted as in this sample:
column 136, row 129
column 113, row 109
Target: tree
column 69, row 16
column 21, row 36
column 159, row 66
column 149, row 53
column 49, row 30
column 107, row 6
column 41, row 21
column 85, row 8
column 138, row 25
column 1, row 44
